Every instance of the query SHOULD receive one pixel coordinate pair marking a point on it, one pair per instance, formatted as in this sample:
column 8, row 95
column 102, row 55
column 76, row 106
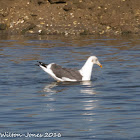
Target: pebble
column 108, row 27
column 75, row 22
column 3, row 26
column 39, row 31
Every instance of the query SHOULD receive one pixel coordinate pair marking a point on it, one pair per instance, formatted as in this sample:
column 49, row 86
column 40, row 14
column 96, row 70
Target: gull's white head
column 94, row 60
column 86, row 70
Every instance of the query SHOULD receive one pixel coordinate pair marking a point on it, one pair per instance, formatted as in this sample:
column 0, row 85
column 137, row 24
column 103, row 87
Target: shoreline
column 75, row 17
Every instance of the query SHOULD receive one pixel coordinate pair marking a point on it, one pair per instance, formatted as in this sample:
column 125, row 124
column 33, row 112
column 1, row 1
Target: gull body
column 67, row 74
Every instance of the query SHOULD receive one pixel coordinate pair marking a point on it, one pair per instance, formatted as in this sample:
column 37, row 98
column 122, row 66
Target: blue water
column 105, row 108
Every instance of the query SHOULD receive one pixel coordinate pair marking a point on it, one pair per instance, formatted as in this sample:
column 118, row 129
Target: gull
column 61, row 74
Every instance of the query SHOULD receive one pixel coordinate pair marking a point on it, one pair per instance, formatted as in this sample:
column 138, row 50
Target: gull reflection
column 85, row 87
column 89, row 103
column 49, row 91
column 88, row 87
column 49, row 87
column 52, row 88
column 86, row 99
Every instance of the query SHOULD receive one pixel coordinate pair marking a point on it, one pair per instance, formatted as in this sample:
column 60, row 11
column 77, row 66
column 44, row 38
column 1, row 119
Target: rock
column 126, row 29
column 67, row 7
column 84, row 32
column 3, row 26
column 29, row 27
column 57, row 1
column 126, row 32
column 81, row 6
column 41, row 2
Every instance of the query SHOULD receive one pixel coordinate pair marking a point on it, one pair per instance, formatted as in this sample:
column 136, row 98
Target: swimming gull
column 61, row 74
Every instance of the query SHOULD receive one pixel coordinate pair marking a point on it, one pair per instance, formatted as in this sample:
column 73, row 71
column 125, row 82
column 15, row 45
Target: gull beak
column 99, row 64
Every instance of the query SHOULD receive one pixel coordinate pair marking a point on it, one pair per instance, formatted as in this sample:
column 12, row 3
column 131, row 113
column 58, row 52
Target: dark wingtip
column 42, row 64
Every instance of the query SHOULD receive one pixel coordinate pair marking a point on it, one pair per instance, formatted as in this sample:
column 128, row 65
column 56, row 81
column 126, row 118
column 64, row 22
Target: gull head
column 95, row 60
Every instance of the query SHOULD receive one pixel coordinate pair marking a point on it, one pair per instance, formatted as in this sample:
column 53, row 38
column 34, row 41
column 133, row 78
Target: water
column 32, row 103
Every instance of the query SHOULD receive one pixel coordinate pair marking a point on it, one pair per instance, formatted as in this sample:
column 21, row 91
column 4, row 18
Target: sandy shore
column 84, row 17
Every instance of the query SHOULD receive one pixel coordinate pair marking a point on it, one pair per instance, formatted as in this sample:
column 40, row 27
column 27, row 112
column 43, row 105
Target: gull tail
column 41, row 64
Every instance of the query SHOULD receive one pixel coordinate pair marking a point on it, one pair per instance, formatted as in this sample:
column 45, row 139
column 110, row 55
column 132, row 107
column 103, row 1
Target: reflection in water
column 49, row 88
column 88, row 87
column 85, row 87
column 85, row 100
column 75, row 101
column 89, row 104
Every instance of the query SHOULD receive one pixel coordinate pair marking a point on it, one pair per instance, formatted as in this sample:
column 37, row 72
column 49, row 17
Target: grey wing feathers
column 65, row 72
